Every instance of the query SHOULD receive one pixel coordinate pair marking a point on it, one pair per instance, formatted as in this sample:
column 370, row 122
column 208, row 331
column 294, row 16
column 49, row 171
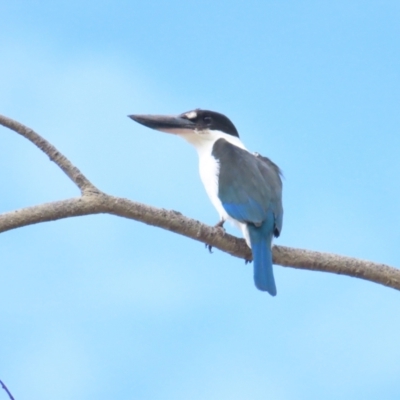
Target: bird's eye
column 207, row 120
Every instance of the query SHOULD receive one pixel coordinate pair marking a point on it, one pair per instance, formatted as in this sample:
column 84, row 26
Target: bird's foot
column 246, row 261
column 220, row 224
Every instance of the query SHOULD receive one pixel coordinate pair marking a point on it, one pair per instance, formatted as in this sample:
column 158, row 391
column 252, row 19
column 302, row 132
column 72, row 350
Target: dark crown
column 206, row 119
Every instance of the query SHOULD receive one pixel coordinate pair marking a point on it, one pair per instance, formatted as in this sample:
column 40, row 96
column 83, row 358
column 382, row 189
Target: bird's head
column 196, row 126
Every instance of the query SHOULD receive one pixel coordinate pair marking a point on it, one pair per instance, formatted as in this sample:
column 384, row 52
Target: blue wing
column 250, row 189
column 249, row 186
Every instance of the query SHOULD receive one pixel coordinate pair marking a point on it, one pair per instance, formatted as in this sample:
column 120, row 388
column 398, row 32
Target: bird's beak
column 166, row 123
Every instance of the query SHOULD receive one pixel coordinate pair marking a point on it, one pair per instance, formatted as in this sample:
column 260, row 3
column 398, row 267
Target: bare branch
column 328, row 262
column 93, row 201
column 70, row 170
column 176, row 222
column 102, row 203
column 6, row 389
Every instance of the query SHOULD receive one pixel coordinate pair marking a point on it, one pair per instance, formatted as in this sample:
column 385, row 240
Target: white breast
column 209, row 171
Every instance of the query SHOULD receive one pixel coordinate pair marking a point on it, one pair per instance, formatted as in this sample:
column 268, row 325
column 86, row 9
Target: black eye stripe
column 206, row 119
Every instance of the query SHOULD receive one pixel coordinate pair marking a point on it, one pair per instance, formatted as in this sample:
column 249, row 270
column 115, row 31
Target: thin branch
column 328, row 262
column 93, row 201
column 70, row 170
column 176, row 222
column 6, row 389
column 102, row 203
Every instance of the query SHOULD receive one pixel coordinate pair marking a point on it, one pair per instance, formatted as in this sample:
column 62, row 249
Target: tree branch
column 93, row 201
column 6, row 389
column 69, row 169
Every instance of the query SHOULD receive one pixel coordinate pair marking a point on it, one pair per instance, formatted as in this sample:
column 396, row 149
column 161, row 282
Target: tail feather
column 262, row 259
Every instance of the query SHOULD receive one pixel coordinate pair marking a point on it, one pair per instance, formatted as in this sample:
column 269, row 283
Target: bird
column 244, row 187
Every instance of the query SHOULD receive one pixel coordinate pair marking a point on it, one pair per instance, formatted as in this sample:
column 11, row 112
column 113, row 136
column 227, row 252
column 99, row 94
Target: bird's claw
column 220, row 225
column 209, row 247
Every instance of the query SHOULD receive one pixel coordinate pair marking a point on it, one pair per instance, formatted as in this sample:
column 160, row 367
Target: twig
column 6, row 389
column 70, row 170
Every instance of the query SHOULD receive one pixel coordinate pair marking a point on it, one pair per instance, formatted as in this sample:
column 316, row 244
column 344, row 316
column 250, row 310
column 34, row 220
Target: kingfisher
column 244, row 187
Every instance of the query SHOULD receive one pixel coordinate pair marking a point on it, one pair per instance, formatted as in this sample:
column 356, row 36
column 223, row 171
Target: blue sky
column 102, row 307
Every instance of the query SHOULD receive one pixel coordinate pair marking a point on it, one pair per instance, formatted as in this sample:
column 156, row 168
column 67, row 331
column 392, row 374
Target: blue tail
column 260, row 240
